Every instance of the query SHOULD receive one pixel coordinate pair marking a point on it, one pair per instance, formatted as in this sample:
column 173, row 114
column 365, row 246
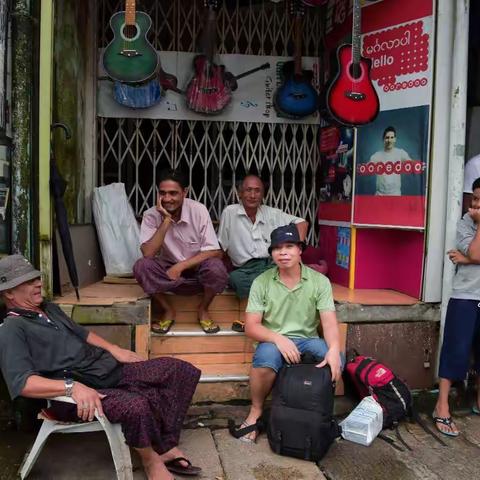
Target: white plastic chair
column 120, row 450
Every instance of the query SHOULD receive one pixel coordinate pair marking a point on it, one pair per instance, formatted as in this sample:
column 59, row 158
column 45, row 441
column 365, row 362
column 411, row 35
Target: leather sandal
column 238, row 326
column 208, row 326
column 162, row 326
column 448, row 422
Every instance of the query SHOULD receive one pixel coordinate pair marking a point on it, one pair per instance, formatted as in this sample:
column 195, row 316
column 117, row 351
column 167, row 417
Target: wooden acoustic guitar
column 296, row 97
column 130, row 57
column 351, row 97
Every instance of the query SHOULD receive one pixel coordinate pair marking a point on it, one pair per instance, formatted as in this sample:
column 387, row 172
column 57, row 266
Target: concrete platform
column 87, row 457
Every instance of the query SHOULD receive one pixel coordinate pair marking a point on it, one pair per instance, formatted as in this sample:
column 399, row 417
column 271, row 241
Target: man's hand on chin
column 123, row 355
column 474, row 214
column 332, row 358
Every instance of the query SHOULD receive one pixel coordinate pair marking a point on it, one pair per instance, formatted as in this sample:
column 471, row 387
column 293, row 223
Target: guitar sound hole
column 355, row 70
column 130, row 32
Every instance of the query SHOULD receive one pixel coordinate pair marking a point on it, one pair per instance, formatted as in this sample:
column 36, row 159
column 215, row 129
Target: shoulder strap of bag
column 416, row 417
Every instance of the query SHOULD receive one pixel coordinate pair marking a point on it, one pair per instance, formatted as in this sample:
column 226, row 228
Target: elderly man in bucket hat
column 282, row 317
column 43, row 353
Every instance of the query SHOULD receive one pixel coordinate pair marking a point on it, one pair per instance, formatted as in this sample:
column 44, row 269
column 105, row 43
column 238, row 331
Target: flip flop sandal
column 447, row 421
column 163, row 326
column 175, row 466
column 238, row 326
column 208, row 326
column 244, row 429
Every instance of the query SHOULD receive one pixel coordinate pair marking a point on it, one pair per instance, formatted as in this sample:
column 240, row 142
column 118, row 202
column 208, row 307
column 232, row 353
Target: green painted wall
column 70, row 40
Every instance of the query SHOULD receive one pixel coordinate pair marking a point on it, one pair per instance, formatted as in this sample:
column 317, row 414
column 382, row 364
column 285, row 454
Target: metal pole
column 458, row 108
column 22, row 79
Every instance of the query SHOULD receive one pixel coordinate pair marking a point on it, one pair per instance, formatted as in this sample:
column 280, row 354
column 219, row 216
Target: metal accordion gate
column 215, row 154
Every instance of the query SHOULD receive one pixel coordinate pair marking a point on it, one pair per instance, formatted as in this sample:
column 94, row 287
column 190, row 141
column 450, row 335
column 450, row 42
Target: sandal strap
column 177, row 461
column 243, row 430
column 208, row 324
column 444, row 420
column 164, row 323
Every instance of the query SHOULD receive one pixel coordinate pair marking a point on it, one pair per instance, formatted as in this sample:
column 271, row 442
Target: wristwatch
column 68, row 387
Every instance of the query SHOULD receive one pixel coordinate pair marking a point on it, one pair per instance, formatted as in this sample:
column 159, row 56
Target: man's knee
column 213, row 274
column 143, row 265
column 240, row 282
column 267, row 355
column 317, row 347
column 139, row 407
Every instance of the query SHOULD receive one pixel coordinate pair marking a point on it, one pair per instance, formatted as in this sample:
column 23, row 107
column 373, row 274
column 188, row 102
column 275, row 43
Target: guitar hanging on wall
column 208, row 92
column 296, row 97
column 351, row 97
column 130, row 57
column 210, row 89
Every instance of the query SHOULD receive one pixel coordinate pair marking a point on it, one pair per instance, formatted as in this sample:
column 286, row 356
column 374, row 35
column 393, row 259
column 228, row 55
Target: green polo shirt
column 291, row 312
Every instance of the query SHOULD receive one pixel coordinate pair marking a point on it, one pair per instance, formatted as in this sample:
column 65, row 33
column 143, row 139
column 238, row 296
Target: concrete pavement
column 87, row 457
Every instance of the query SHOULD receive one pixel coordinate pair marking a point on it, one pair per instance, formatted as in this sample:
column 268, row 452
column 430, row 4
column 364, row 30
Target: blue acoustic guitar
column 296, row 97
column 130, row 57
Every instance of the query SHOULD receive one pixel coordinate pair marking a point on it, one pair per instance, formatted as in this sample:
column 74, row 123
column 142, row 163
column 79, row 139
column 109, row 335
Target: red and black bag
column 373, row 378
column 376, row 379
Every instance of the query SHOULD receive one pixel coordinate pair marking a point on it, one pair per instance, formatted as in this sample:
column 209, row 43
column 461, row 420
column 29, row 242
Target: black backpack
column 301, row 422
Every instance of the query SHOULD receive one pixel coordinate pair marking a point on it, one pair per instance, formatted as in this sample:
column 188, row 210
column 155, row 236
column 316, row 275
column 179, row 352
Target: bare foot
column 157, row 471
column 153, row 465
column 442, row 411
column 203, row 315
column 251, row 419
column 207, row 324
column 173, row 453
column 443, row 421
column 167, row 311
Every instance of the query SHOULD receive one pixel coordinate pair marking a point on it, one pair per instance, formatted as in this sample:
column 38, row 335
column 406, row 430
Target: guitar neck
column 130, row 12
column 297, row 55
column 356, row 31
column 209, row 31
column 297, row 9
column 253, row 70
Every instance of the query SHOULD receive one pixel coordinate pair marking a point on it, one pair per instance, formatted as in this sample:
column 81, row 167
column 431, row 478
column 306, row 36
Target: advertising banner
column 391, row 169
column 252, row 101
column 391, row 153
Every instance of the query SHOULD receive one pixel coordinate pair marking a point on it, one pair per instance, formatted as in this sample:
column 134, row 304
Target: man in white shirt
column 244, row 234
column 471, row 173
column 389, row 183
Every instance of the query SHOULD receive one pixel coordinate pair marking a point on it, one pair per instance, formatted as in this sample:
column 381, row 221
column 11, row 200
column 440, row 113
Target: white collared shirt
column 244, row 240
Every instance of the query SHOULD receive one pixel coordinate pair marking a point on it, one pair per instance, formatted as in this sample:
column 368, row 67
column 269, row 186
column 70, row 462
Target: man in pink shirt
column 180, row 250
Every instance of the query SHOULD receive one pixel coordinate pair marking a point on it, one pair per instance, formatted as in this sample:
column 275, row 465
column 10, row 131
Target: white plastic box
column 364, row 423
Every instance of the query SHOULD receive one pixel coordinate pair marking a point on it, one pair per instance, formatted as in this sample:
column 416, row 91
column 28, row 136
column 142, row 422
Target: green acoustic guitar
column 130, row 57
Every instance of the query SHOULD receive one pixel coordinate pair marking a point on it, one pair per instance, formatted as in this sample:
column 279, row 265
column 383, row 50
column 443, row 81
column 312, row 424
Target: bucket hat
column 15, row 270
column 285, row 234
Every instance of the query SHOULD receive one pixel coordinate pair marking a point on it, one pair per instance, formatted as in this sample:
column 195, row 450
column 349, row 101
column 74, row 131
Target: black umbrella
column 57, row 189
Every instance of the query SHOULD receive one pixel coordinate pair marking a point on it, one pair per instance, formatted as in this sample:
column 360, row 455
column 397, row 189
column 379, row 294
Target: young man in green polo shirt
column 282, row 316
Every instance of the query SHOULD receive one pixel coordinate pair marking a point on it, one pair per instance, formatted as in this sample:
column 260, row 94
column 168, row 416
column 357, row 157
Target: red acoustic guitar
column 208, row 92
column 351, row 97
